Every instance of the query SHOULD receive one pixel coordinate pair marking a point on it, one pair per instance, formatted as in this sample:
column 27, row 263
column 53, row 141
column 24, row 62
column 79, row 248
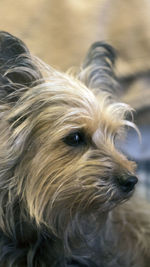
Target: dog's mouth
column 117, row 192
column 104, row 194
column 123, row 193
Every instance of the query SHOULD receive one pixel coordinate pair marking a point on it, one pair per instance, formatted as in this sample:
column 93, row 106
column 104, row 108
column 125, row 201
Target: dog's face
column 62, row 139
column 66, row 137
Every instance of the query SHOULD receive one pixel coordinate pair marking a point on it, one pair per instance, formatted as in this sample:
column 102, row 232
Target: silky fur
column 62, row 205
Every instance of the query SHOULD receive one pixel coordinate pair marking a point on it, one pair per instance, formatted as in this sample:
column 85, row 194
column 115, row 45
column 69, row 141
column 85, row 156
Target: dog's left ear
column 97, row 71
column 17, row 68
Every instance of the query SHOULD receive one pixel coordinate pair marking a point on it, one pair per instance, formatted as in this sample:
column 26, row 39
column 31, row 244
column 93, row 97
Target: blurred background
column 58, row 31
column 61, row 31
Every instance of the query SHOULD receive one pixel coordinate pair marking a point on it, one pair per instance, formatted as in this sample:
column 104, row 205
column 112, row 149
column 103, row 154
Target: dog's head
column 58, row 153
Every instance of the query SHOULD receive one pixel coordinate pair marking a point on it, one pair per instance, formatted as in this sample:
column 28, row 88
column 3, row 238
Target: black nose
column 127, row 184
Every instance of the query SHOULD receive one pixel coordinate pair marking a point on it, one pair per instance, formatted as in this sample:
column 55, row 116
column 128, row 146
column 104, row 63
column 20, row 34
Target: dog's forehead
column 77, row 106
column 69, row 91
column 85, row 101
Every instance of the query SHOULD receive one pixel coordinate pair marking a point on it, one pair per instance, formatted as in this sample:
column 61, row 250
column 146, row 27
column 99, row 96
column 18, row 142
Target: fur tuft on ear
column 17, row 68
column 97, row 69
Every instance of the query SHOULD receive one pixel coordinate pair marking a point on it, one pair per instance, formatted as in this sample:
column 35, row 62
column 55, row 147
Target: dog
column 66, row 191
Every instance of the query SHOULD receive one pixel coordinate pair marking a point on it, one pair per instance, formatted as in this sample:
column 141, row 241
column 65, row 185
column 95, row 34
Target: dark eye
column 75, row 139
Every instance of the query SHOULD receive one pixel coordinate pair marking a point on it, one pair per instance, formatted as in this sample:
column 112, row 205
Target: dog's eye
column 75, row 139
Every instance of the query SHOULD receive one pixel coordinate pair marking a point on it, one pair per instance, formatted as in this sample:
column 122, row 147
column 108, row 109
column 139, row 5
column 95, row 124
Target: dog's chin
column 120, row 196
column 104, row 198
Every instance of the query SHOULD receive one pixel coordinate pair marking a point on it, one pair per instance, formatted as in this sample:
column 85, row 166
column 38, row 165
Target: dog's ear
column 17, row 69
column 97, row 71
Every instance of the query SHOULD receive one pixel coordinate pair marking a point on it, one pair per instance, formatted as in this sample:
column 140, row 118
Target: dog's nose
column 128, row 183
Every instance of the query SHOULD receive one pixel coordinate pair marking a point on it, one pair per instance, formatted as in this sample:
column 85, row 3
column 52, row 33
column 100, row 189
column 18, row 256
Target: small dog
column 65, row 188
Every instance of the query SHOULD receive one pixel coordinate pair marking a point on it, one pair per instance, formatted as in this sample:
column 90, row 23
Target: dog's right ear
column 17, row 68
column 97, row 71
